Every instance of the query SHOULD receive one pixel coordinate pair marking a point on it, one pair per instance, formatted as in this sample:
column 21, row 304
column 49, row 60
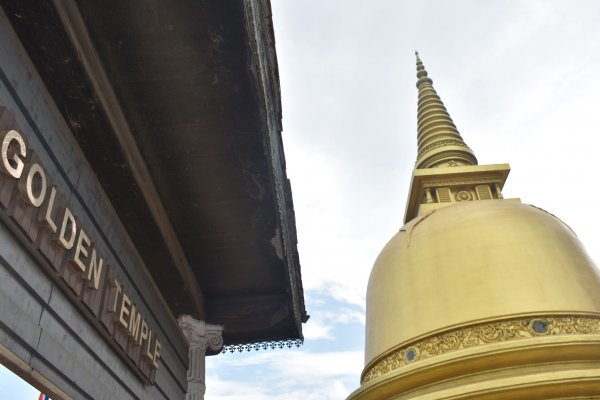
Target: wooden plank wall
column 40, row 327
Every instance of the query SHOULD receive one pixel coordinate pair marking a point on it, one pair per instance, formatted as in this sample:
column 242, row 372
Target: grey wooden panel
column 60, row 349
column 58, row 378
column 87, row 334
column 58, row 141
column 19, row 311
column 8, row 340
column 142, row 293
column 168, row 385
column 48, row 135
column 23, row 265
column 12, row 249
column 171, row 373
column 123, row 250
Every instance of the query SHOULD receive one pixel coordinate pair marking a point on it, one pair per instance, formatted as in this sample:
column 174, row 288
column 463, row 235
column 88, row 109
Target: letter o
column 36, row 201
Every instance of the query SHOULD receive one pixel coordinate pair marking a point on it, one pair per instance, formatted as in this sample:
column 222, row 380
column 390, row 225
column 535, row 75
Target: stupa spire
column 439, row 142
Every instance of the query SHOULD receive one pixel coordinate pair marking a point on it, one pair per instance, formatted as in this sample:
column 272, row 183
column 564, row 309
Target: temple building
column 477, row 296
column 146, row 218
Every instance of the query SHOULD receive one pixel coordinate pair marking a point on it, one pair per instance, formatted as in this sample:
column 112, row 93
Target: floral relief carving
column 440, row 143
column 478, row 335
column 461, row 182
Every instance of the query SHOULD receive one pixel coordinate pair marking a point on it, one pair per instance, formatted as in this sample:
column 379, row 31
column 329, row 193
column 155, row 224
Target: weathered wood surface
column 39, row 322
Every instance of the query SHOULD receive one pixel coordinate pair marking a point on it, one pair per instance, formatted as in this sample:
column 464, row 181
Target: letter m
column 135, row 321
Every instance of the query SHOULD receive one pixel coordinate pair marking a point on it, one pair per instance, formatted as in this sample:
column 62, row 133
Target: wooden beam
column 81, row 40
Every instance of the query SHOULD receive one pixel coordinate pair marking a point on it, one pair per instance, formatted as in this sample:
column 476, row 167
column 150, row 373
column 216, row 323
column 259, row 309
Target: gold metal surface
column 475, row 181
column 482, row 334
column 477, row 297
column 551, row 367
column 471, row 262
column 440, row 143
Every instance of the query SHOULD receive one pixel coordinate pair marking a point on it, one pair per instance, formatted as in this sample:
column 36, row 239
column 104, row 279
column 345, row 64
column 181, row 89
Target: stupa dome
column 474, row 262
column 464, row 279
column 477, row 296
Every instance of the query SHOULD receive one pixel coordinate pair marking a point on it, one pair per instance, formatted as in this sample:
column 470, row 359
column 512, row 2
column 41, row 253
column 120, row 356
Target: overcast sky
column 520, row 80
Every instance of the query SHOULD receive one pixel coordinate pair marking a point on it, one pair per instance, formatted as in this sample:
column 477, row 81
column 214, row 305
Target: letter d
column 68, row 219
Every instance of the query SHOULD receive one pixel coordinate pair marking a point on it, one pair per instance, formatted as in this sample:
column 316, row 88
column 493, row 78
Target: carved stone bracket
column 200, row 336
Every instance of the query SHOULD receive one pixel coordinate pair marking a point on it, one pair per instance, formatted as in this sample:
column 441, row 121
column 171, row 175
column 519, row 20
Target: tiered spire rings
column 440, row 143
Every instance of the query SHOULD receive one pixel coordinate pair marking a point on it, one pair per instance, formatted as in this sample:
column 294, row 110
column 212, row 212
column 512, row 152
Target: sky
column 519, row 79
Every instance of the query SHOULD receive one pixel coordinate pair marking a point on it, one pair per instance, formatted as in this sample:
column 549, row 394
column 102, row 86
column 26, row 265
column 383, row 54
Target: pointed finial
column 439, row 142
column 421, row 73
column 418, row 58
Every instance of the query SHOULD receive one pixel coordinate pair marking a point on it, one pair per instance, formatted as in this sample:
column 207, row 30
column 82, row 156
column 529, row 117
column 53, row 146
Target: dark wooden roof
column 176, row 105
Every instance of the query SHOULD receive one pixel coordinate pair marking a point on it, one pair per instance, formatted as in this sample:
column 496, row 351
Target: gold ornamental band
column 472, row 336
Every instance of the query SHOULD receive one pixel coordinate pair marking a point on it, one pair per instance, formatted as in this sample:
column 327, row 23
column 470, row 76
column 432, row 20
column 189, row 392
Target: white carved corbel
column 200, row 336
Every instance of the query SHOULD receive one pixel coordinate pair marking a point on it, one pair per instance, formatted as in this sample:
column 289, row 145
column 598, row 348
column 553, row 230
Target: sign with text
column 30, row 201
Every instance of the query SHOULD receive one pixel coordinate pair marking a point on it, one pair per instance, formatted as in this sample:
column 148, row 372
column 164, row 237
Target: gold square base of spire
column 433, row 188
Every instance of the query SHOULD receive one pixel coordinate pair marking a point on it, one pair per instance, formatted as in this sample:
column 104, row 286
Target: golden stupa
column 477, row 297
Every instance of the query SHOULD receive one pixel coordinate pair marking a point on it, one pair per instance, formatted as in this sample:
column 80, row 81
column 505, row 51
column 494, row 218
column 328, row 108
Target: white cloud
column 326, row 319
column 233, row 390
column 299, row 363
column 314, row 330
column 528, row 90
column 220, row 389
column 285, row 375
column 343, row 316
column 520, row 80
